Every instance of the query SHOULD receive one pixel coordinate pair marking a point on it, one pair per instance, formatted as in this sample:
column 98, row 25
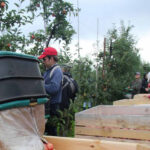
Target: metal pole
column 78, row 30
column 97, row 33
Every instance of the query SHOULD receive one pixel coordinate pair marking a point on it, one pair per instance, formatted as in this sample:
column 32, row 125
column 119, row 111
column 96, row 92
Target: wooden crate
column 140, row 96
column 117, row 122
column 138, row 99
column 63, row 143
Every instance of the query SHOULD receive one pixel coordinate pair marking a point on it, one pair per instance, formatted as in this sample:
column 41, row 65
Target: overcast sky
column 108, row 12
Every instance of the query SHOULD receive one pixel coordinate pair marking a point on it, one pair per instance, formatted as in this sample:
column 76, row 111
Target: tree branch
column 51, row 34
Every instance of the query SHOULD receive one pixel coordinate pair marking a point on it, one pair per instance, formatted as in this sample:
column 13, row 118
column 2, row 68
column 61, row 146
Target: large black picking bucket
column 20, row 77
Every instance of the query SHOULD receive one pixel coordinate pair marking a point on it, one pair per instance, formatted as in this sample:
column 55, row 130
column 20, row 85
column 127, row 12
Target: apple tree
column 121, row 62
column 11, row 22
column 54, row 16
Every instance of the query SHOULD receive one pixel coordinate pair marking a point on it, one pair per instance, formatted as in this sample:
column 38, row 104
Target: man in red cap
column 53, row 85
column 49, row 51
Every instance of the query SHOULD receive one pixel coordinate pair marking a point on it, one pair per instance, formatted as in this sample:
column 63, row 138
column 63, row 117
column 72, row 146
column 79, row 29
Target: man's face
column 137, row 76
column 47, row 62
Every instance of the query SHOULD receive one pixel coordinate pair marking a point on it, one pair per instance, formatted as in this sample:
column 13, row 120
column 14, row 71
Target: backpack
column 69, row 89
column 69, row 82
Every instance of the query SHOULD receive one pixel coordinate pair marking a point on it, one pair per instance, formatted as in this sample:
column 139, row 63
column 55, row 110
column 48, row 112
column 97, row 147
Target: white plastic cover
column 21, row 128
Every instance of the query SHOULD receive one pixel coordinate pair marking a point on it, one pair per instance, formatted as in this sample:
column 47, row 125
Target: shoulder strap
column 52, row 71
column 69, row 81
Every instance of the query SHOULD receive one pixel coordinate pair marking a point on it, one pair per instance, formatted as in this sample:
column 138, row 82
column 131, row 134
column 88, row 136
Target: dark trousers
column 50, row 127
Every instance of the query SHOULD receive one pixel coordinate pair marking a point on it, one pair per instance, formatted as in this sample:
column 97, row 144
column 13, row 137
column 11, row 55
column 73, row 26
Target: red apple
column 45, row 147
column 8, row 44
column 50, row 146
column 2, row 4
column 33, row 37
column 53, row 15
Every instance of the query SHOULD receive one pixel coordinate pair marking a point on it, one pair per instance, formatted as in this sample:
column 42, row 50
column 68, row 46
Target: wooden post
column 97, row 43
column 103, row 69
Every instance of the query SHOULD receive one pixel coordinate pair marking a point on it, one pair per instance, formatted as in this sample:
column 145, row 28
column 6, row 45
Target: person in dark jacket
column 53, row 86
column 144, row 88
column 136, row 84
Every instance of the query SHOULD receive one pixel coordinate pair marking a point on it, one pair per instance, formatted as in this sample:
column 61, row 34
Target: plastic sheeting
column 21, row 128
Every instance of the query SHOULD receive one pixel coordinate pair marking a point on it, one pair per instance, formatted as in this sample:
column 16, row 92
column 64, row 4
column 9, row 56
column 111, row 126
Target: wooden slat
column 122, row 101
column 137, row 100
column 132, row 101
column 139, row 96
column 113, row 139
column 113, row 132
column 118, row 110
column 62, row 143
column 143, row 147
column 105, row 145
column 119, row 121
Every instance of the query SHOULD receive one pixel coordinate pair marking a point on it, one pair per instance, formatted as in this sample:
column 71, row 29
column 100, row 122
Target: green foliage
column 145, row 68
column 54, row 14
column 65, row 56
column 55, row 20
column 11, row 21
column 83, row 72
column 121, row 63
column 65, row 121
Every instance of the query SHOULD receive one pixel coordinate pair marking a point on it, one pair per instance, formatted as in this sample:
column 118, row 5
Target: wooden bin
column 121, row 123
column 62, row 143
column 138, row 100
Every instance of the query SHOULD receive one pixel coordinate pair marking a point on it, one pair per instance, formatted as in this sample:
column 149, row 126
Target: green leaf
column 16, row 4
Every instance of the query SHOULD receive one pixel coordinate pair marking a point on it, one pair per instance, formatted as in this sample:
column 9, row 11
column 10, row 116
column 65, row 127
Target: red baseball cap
column 48, row 51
